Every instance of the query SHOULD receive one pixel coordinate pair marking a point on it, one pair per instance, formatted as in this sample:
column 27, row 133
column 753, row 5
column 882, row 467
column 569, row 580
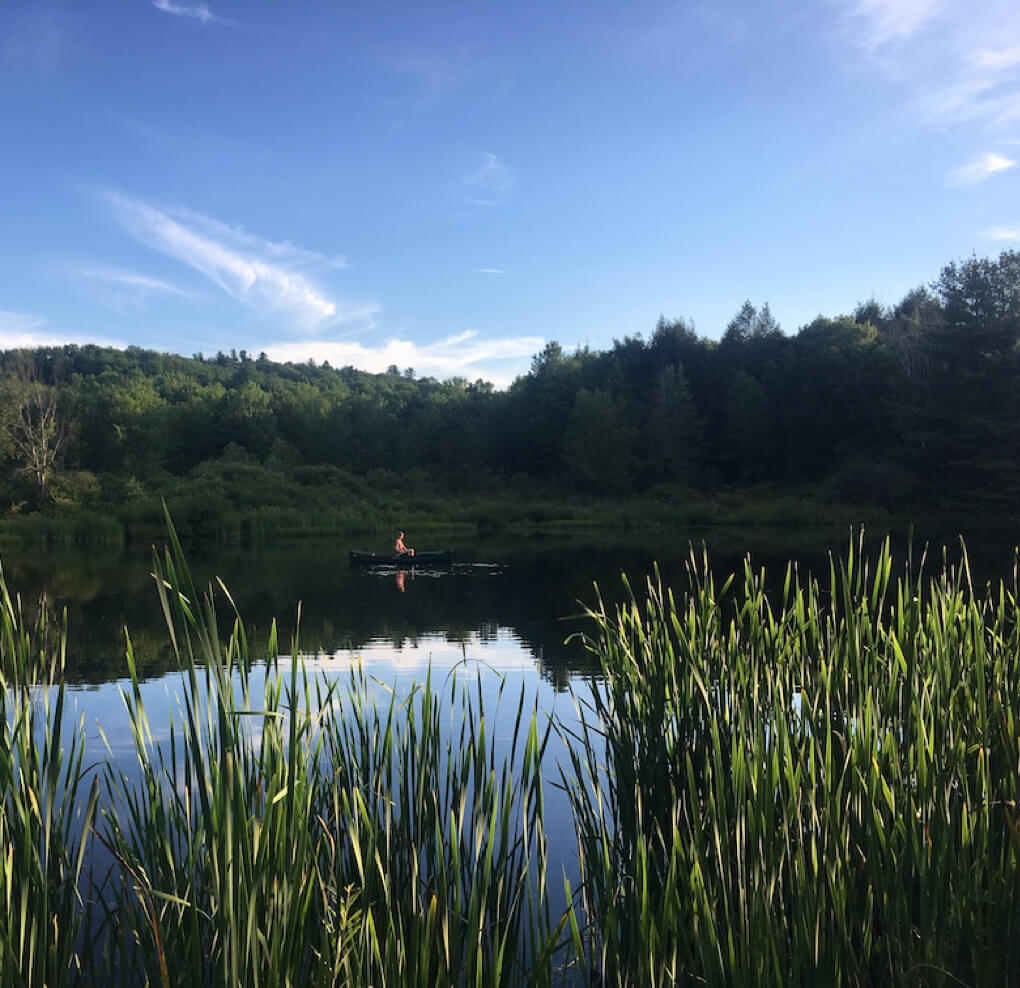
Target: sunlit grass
column 44, row 825
column 320, row 834
column 819, row 791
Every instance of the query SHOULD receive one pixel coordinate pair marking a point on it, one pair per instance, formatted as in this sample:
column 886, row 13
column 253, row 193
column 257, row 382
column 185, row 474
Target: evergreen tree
column 674, row 430
column 970, row 427
column 598, row 444
column 748, row 435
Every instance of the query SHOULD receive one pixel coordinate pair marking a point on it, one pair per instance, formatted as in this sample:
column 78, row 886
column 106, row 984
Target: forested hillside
column 910, row 408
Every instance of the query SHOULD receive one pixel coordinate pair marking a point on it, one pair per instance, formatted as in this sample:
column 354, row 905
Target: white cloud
column 883, row 22
column 490, row 181
column 23, row 331
column 283, row 251
column 122, row 289
column 142, row 283
column 998, row 58
column 197, row 11
column 262, row 274
column 1002, row 233
column 18, row 325
column 489, row 271
column 493, row 174
column 949, row 55
column 981, row 168
column 464, row 355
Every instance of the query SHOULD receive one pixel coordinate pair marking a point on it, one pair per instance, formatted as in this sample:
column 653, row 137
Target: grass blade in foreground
column 808, row 793
column 310, row 835
column 44, row 826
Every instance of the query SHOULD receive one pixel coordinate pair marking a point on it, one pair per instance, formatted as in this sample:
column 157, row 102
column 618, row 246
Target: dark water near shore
column 512, row 602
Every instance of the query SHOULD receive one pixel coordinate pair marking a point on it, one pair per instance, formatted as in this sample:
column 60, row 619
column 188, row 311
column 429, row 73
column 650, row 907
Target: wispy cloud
column 982, row 167
column 24, row 331
column 949, row 55
column 196, row 11
column 489, row 271
column 265, row 275
column 143, row 283
column 122, row 289
column 998, row 58
column 282, row 251
column 883, row 22
column 15, row 325
column 490, row 181
column 1002, row 233
column 463, row 355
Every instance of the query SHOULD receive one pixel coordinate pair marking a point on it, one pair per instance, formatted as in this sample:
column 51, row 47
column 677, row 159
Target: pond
column 513, row 603
column 504, row 616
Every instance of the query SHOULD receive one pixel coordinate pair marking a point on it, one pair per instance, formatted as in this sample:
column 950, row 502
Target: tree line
column 890, row 405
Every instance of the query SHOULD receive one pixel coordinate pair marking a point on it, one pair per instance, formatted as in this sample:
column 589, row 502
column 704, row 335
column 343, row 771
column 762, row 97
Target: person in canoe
column 399, row 548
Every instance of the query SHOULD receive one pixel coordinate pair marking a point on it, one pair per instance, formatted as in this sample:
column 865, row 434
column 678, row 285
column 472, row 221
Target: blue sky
column 449, row 186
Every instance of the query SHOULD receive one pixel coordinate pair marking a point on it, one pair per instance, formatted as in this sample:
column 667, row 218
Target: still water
column 506, row 608
column 514, row 604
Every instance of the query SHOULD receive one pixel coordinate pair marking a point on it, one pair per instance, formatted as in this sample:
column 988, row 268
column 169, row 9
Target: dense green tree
column 980, row 307
column 598, row 444
column 749, row 323
column 674, row 428
column 765, row 323
column 968, row 429
column 870, row 311
column 748, row 438
column 249, row 419
column 905, row 331
column 538, row 408
column 838, row 398
column 740, row 327
column 120, row 420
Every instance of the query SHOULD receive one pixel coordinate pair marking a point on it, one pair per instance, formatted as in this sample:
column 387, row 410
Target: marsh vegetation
column 814, row 783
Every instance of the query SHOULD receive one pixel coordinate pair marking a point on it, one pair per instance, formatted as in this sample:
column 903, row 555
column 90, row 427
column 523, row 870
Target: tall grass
column 814, row 787
column 79, row 527
column 317, row 834
column 823, row 791
column 44, row 826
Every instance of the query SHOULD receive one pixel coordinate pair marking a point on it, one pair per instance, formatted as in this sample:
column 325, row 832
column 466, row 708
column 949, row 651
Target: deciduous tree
column 37, row 426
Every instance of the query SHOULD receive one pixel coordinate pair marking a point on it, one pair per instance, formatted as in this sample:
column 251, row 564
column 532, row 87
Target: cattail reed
column 811, row 785
column 819, row 789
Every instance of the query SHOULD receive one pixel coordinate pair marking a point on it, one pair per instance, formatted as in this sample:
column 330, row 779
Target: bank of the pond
column 244, row 509
column 817, row 786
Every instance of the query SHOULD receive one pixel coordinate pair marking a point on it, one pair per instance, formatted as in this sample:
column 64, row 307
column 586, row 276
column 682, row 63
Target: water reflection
column 527, row 589
column 498, row 674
